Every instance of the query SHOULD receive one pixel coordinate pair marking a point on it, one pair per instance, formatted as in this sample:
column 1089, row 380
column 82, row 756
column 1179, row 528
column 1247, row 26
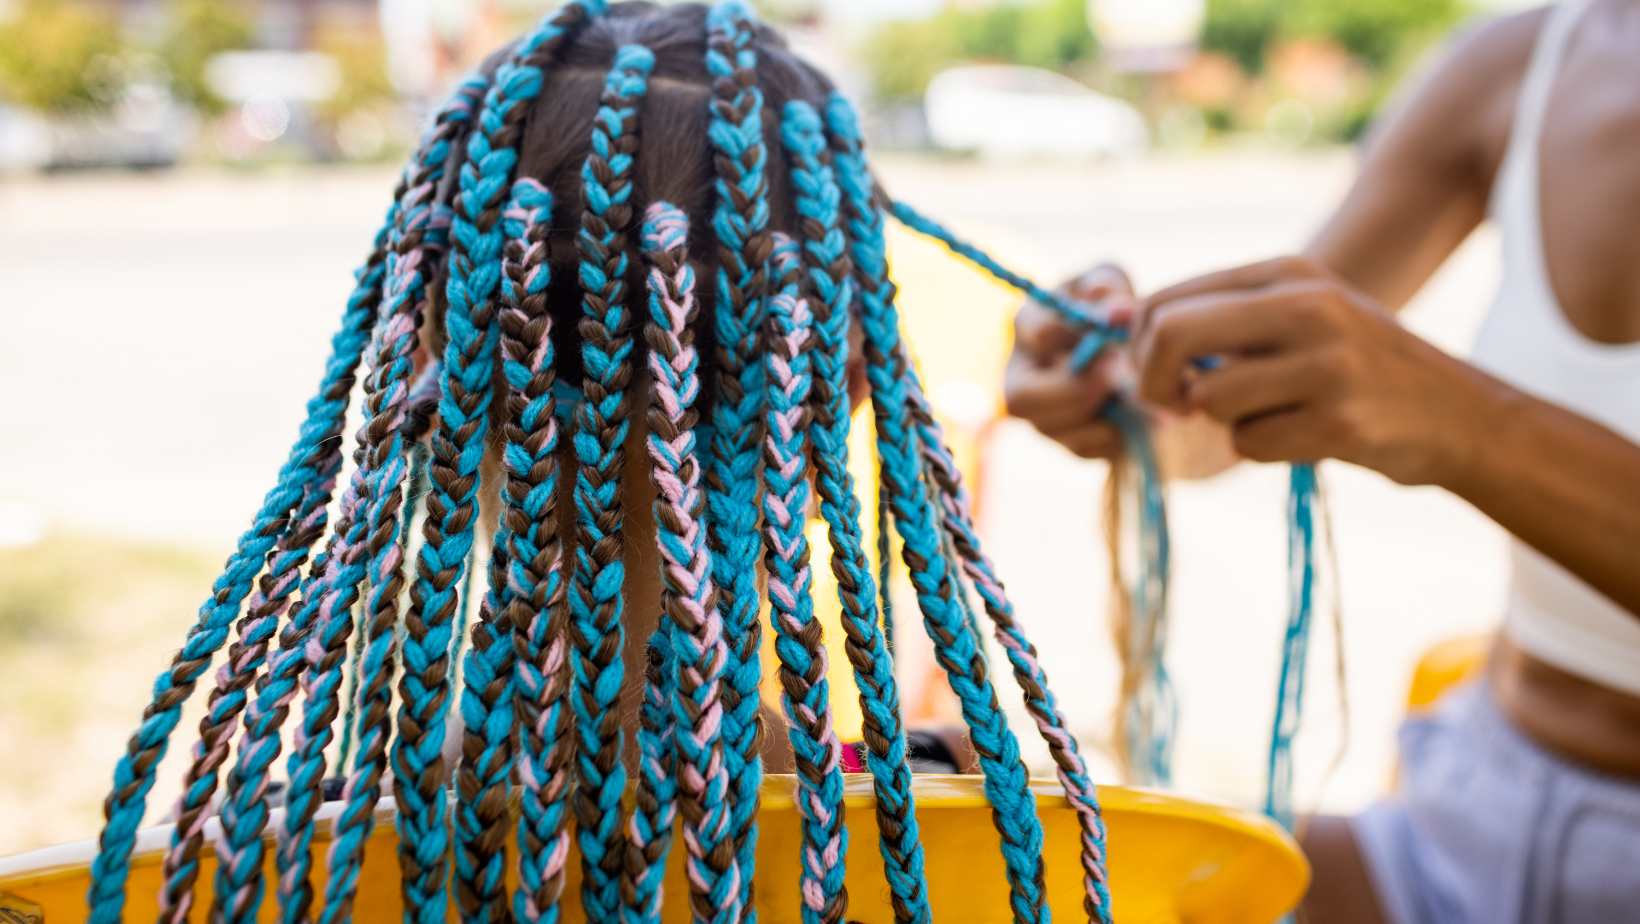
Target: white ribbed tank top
column 1527, row 341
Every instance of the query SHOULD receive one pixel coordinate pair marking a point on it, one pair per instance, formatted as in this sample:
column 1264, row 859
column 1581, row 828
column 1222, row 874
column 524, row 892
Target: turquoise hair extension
column 956, row 649
column 458, row 450
column 957, row 522
column 535, row 561
column 489, row 668
column 601, row 426
column 1302, row 489
column 1153, row 713
column 740, row 221
column 805, row 692
column 134, row 774
column 376, row 557
column 699, row 650
column 824, row 252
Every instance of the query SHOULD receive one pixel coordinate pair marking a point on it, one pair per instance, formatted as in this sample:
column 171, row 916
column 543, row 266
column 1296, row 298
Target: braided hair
column 543, row 251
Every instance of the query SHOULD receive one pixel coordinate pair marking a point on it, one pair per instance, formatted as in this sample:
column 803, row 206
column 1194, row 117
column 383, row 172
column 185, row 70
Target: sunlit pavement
column 163, row 331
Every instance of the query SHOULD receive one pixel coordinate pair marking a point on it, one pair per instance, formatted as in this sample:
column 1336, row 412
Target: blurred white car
column 1002, row 111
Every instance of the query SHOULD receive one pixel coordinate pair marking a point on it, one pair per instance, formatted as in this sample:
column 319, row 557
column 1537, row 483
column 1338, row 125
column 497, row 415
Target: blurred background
column 186, row 185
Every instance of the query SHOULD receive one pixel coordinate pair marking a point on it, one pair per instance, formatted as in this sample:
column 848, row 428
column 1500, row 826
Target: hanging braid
column 458, row 450
column 740, row 221
column 490, row 668
column 601, row 427
column 305, row 466
column 671, row 440
column 1146, row 710
column 376, row 557
column 1022, row 655
column 655, row 803
column 1302, row 489
column 829, row 272
column 535, row 576
column 1013, row 808
column 699, row 648
column 267, row 605
column 806, row 696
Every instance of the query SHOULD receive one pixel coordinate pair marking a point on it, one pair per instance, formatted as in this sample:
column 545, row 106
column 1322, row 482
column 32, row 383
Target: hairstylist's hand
column 1308, row 368
column 1041, row 388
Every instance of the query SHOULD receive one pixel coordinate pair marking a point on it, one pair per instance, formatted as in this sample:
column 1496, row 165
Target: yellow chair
column 1171, row 860
column 1444, row 666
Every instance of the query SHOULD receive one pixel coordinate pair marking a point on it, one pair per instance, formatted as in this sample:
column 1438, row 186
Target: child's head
column 631, row 253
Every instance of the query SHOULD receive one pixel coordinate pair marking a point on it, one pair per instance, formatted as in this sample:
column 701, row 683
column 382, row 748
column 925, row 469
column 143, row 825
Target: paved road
column 161, row 334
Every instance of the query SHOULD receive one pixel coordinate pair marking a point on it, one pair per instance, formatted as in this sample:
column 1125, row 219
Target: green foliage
column 196, row 31
column 60, row 57
column 1376, row 31
column 903, row 57
column 1242, row 29
column 362, row 60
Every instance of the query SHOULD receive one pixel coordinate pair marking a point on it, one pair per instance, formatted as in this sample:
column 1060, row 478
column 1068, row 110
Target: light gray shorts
column 1488, row 828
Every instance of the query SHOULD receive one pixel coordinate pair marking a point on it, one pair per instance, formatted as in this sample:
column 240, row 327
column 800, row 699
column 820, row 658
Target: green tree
column 60, row 57
column 197, row 31
column 902, row 57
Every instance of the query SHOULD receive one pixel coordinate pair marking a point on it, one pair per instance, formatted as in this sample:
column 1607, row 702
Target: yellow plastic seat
column 1444, row 666
column 1171, row 860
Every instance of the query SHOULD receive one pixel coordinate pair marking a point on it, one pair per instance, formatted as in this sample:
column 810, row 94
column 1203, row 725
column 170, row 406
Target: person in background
column 1520, row 796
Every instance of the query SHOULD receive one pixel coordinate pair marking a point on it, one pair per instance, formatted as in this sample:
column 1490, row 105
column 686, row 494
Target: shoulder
column 1458, row 112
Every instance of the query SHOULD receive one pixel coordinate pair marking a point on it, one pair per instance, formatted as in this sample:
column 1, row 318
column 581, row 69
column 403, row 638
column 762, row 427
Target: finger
column 1252, row 386
column 1042, row 334
column 1252, row 275
column 1224, row 324
column 1096, row 439
column 1054, row 397
column 1291, row 435
column 1101, row 282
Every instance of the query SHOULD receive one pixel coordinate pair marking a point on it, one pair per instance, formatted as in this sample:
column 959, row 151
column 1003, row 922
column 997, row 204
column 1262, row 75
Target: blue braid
column 535, row 570
column 134, row 774
column 392, row 407
column 740, row 221
column 957, row 521
column 1301, row 563
column 825, row 251
column 805, row 692
column 649, row 831
column 1006, row 783
column 459, row 447
column 1153, row 713
column 596, row 603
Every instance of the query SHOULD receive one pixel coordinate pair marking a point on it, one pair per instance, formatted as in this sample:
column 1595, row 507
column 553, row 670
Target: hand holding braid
column 806, row 696
column 698, row 644
column 535, row 574
column 1013, row 807
column 825, row 257
column 458, row 449
column 740, row 221
column 596, row 603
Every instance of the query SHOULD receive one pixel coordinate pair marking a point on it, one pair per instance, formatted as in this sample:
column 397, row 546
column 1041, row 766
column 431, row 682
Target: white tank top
column 1527, row 341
